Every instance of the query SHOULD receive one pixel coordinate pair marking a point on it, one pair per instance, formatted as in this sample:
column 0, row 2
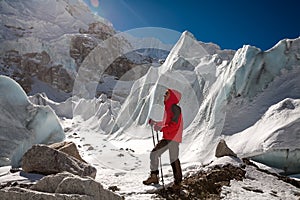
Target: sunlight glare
column 95, row 3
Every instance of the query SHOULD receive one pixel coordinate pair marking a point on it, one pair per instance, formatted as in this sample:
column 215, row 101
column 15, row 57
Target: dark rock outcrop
column 224, row 150
column 25, row 67
column 205, row 184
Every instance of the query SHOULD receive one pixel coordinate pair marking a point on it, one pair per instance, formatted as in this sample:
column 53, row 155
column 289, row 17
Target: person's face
column 166, row 95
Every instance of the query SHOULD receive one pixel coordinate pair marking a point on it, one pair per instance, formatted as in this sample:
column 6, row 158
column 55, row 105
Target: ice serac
column 185, row 55
column 274, row 139
column 23, row 124
column 259, row 80
column 185, row 69
column 224, row 96
column 242, row 95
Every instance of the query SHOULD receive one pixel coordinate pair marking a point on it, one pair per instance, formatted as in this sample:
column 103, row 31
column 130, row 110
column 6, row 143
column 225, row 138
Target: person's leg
column 175, row 162
column 159, row 149
column 177, row 172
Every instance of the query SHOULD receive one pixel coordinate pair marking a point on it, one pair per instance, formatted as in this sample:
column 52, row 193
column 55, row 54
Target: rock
column 73, row 185
column 204, row 184
column 45, row 160
column 62, row 186
column 99, row 30
column 50, row 183
column 68, row 148
column 30, row 66
column 80, row 47
column 224, row 150
column 17, row 193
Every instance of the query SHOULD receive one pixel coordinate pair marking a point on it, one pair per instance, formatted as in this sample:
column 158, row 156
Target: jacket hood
column 174, row 98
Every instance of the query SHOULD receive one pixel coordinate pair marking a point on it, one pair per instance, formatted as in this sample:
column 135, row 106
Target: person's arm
column 173, row 124
column 157, row 125
column 153, row 122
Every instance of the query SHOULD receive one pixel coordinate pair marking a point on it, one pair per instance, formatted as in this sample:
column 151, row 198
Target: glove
column 152, row 122
column 157, row 128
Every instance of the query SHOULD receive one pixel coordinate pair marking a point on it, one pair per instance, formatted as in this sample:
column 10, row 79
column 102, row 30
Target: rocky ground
column 204, row 184
column 207, row 184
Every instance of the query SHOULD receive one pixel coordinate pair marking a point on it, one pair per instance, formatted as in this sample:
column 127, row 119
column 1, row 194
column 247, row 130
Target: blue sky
column 228, row 23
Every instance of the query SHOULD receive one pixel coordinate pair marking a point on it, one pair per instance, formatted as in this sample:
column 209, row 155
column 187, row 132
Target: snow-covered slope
column 44, row 42
column 36, row 26
column 274, row 139
column 42, row 20
column 23, row 124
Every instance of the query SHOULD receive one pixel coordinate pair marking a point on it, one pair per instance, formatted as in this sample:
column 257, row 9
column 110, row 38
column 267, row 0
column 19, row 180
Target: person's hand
column 151, row 122
column 157, row 128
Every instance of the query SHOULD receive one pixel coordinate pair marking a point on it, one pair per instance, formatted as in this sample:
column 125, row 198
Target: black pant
column 162, row 146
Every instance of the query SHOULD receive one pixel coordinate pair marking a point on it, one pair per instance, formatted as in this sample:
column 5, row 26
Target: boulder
column 224, row 150
column 16, row 193
column 45, row 160
column 62, row 186
column 68, row 148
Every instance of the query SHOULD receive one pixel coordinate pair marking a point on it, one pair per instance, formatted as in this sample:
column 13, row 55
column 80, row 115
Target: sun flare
column 95, row 3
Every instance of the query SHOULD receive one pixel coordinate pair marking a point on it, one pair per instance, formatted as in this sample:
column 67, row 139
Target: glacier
column 223, row 99
column 23, row 124
column 226, row 95
column 250, row 98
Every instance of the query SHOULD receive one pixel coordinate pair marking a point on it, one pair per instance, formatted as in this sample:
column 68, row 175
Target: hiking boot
column 153, row 178
column 175, row 186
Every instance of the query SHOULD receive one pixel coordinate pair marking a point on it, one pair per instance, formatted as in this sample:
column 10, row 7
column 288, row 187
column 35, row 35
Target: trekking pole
column 153, row 135
column 161, row 171
column 162, row 176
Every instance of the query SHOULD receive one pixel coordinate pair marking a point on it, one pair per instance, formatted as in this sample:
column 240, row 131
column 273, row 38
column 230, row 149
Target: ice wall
column 260, row 80
column 221, row 98
column 241, row 95
column 274, row 139
column 23, row 124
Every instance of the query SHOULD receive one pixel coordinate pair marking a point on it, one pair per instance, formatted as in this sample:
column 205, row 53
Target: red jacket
column 172, row 124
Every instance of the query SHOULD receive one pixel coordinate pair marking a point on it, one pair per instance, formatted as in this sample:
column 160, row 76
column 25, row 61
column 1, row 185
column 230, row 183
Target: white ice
column 23, row 124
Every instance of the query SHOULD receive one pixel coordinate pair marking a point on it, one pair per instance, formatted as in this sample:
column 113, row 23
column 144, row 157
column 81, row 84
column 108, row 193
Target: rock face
column 80, row 47
column 62, row 186
column 224, row 150
column 45, row 160
column 24, row 67
column 46, row 43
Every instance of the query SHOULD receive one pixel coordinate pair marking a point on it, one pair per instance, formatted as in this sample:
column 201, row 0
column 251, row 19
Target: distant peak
column 187, row 34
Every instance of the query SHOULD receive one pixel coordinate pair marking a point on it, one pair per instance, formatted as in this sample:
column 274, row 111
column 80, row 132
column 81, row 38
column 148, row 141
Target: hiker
column 172, row 127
